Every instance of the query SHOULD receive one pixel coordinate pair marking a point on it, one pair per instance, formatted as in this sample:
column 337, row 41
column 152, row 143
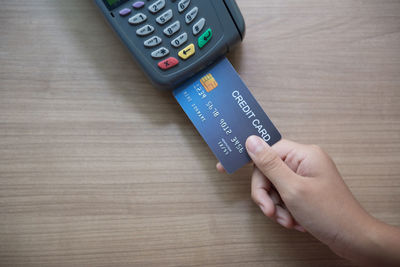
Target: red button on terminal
column 168, row 63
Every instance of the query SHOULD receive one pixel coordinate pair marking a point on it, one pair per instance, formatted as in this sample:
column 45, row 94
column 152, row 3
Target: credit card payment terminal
column 174, row 39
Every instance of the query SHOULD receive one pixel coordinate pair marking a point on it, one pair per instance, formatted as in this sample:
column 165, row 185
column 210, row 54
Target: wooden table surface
column 97, row 168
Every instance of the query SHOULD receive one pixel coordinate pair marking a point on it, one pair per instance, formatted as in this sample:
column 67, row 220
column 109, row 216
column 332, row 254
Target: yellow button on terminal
column 187, row 52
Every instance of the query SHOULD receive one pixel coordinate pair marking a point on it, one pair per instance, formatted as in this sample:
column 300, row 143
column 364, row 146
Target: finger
column 270, row 164
column 259, row 193
column 273, row 194
column 283, row 217
column 260, row 181
column 299, row 228
column 277, row 200
column 220, row 168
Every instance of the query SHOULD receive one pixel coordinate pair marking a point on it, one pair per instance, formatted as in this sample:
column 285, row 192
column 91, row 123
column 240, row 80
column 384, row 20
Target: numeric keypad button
column 137, row 19
column 180, row 40
column 159, row 53
column 173, row 28
column 182, row 5
column 157, row 6
column 191, row 15
column 164, row 17
column 153, row 41
column 199, row 26
column 145, row 30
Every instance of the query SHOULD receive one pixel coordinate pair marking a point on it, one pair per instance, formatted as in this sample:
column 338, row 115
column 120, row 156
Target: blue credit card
column 225, row 113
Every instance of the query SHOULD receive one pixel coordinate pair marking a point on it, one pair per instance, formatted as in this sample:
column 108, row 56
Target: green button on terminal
column 204, row 38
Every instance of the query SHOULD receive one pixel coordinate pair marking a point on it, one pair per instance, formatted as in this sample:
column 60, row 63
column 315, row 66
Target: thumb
column 269, row 163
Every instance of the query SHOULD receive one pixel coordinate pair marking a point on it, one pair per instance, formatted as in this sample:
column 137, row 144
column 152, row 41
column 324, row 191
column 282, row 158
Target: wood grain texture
column 97, row 168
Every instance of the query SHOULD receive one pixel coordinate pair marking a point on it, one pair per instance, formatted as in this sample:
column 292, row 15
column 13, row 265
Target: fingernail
column 254, row 144
column 300, row 228
column 281, row 222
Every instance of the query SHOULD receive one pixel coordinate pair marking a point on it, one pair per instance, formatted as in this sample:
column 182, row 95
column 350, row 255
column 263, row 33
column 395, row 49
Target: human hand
column 300, row 187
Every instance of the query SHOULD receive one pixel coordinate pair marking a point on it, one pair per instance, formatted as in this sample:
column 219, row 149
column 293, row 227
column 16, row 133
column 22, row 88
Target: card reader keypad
column 168, row 16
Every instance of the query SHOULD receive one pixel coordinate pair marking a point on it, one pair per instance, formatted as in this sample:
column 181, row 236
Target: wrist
column 366, row 241
column 383, row 241
column 357, row 238
column 373, row 243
